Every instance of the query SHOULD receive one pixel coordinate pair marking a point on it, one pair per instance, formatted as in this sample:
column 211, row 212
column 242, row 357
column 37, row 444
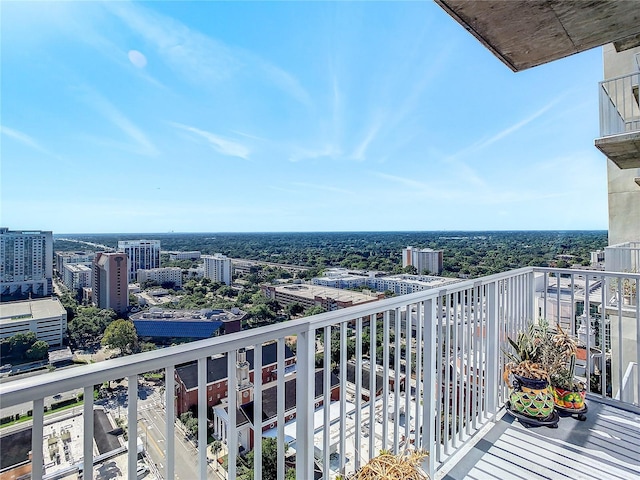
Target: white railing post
column 305, row 392
column 132, row 426
column 37, row 434
column 202, row 414
column 257, row 410
column 169, row 404
column 87, row 456
column 429, row 384
column 232, row 429
column 493, row 349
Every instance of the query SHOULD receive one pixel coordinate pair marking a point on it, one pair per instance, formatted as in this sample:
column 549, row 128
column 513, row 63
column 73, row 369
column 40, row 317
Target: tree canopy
column 121, row 334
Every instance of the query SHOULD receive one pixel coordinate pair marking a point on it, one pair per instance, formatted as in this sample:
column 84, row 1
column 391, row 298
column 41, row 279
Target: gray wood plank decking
column 605, row 446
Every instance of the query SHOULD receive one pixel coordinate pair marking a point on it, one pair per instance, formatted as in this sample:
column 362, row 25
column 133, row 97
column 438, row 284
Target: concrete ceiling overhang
column 526, row 33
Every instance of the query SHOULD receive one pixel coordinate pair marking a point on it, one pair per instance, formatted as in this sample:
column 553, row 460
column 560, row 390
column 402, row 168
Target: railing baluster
column 492, row 376
column 430, row 385
column 396, row 397
column 408, row 363
column 87, row 455
column 385, row 383
column 257, row 409
column 419, row 353
column 326, row 403
column 305, row 396
column 447, row 374
column 281, row 407
column 37, row 434
column 373, row 377
column 358, row 380
column 343, row 395
column 202, row 411
column 132, row 425
column 169, row 402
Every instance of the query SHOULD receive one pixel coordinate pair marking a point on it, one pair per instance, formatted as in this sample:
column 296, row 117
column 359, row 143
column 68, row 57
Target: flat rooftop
column 30, row 309
column 313, row 291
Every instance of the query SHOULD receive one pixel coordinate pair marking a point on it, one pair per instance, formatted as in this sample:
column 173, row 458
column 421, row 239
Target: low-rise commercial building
column 311, row 295
column 46, row 317
column 193, row 255
column 66, row 258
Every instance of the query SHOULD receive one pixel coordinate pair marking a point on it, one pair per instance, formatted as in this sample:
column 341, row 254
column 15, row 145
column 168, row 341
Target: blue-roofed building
column 160, row 323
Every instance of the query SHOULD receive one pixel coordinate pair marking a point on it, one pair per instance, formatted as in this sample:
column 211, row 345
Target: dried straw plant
column 386, row 466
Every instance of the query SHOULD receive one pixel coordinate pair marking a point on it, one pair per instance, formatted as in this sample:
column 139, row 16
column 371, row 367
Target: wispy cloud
column 23, row 138
column 200, row 58
column 504, row 132
column 324, row 188
column 328, row 151
column 361, row 149
column 109, row 111
column 222, row 145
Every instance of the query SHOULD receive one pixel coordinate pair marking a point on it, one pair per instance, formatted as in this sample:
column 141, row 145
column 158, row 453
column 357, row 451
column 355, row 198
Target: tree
column 190, row 423
column 38, row 350
column 216, row 446
column 121, row 334
column 21, row 342
column 315, row 310
column 269, row 461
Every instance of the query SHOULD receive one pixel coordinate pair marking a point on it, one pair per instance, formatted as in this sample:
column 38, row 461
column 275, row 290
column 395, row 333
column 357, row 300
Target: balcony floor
column 605, row 446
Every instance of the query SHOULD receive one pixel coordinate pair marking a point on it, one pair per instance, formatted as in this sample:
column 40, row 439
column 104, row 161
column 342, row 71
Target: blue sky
column 286, row 116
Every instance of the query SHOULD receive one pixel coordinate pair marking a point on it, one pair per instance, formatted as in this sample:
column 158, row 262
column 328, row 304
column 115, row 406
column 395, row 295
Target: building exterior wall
column 217, row 391
column 76, row 276
column 46, row 317
column 161, row 275
column 66, row 258
column 142, row 254
column 26, row 262
column 193, row 255
column 424, row 259
column 110, row 285
column 623, row 191
column 217, row 268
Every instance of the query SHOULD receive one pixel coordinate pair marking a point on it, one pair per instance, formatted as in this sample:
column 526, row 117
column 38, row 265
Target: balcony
column 440, row 390
column 620, row 120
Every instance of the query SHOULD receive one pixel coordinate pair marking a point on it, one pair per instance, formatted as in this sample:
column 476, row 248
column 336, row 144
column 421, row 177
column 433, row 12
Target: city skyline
column 277, row 117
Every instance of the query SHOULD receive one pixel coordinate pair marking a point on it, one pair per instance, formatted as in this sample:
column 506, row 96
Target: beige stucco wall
column 624, row 192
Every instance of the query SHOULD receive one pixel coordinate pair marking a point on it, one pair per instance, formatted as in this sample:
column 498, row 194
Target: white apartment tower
column 217, row 267
column 26, row 262
column 426, row 260
column 142, row 254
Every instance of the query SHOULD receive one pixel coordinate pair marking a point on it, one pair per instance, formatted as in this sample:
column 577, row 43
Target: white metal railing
column 440, row 358
column 619, row 109
column 623, row 257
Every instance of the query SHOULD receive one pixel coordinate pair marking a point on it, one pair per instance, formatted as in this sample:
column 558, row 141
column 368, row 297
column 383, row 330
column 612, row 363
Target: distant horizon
column 332, row 231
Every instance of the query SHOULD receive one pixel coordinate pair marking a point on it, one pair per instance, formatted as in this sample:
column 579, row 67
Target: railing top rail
column 620, row 77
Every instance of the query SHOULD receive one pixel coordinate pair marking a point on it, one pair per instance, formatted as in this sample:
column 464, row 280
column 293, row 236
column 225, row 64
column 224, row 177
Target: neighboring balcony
column 438, row 362
column 620, row 120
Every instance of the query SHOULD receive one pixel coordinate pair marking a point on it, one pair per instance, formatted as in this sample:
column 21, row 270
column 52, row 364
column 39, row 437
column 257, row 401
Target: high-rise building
column 66, row 258
column 76, row 276
column 620, row 140
column 426, row 260
column 142, row 254
column 217, row 267
column 110, row 285
column 26, row 262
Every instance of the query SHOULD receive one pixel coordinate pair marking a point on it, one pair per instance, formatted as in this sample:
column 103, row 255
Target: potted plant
column 559, row 357
column 526, row 375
